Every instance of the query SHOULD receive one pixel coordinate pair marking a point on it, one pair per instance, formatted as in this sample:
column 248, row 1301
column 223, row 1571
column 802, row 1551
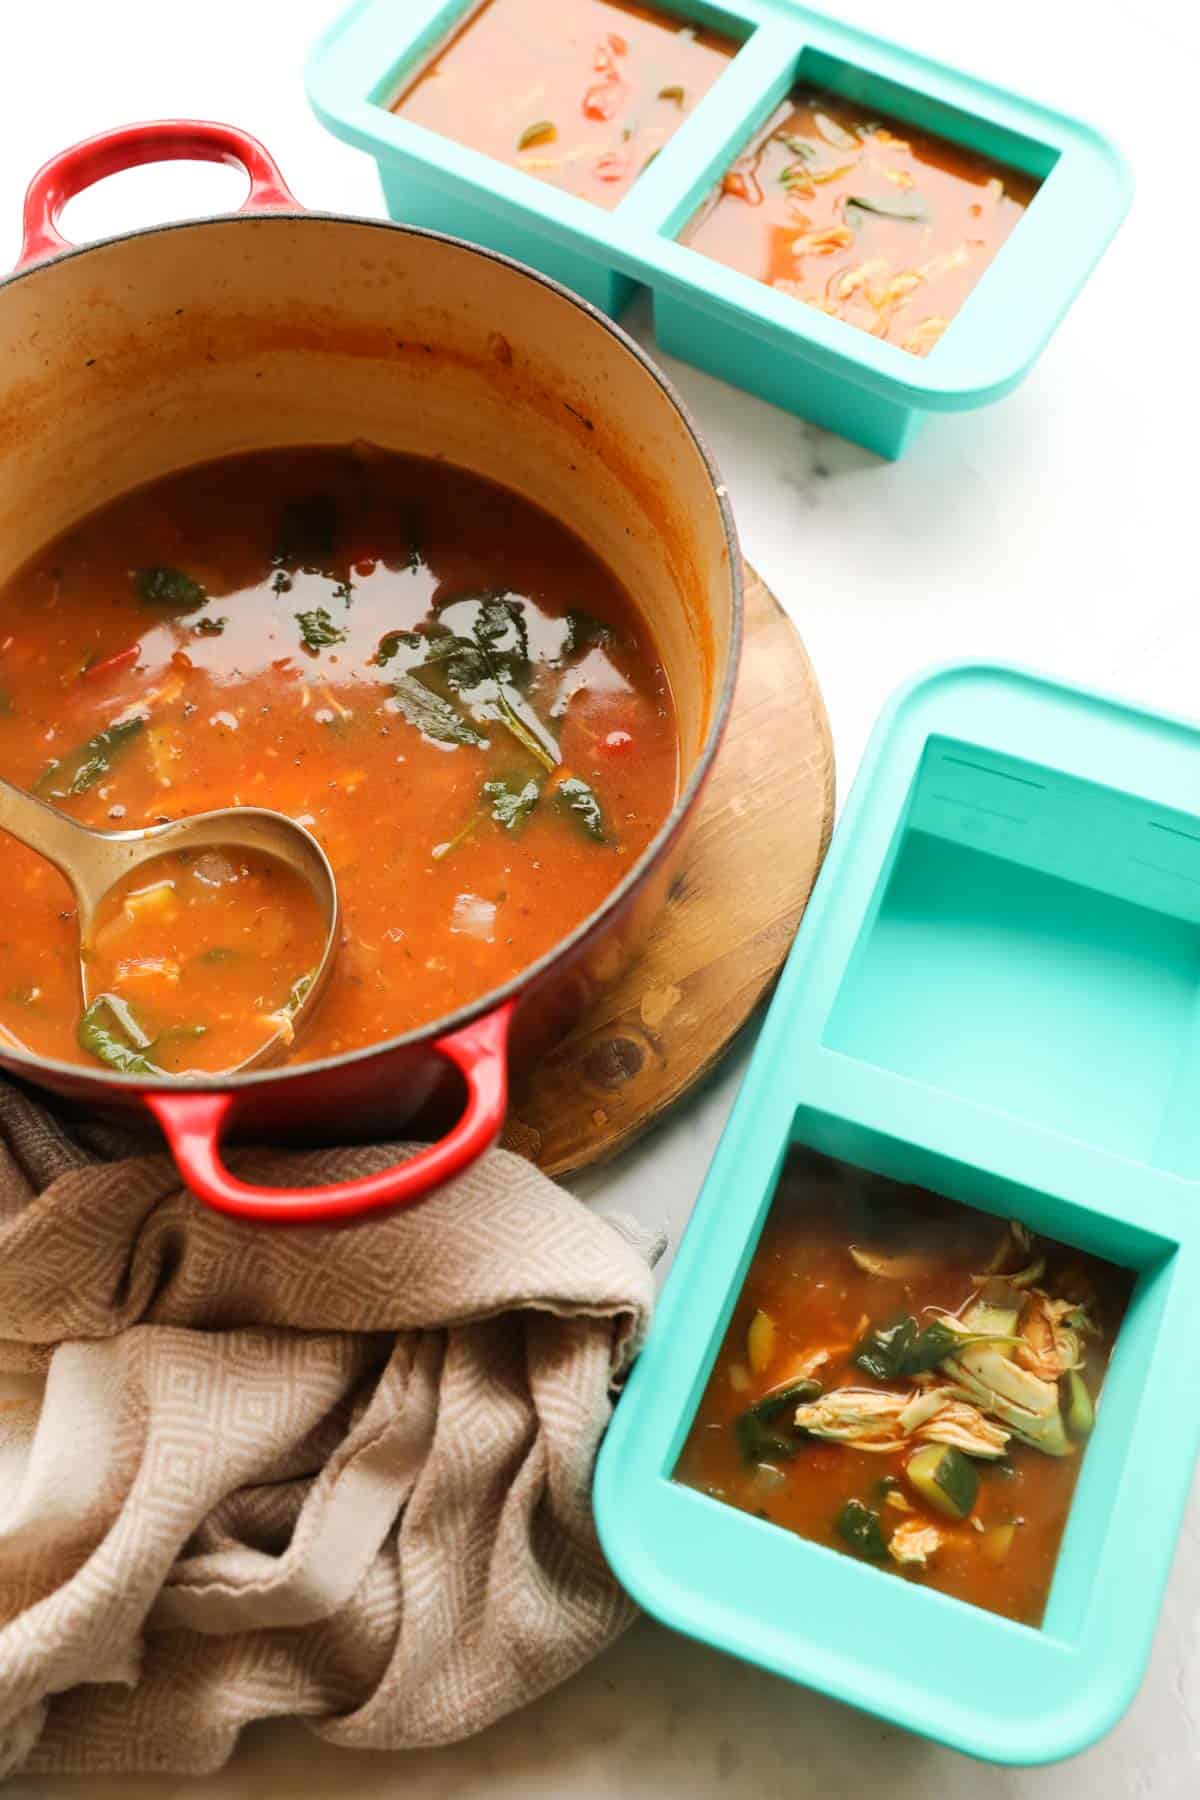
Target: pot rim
column 529, row 976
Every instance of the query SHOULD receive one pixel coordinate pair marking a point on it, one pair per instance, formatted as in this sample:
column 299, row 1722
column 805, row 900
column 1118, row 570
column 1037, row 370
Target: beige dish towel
column 340, row 1475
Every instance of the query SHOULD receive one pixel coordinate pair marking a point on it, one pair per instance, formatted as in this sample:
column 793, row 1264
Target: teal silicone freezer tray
column 995, row 993
column 725, row 322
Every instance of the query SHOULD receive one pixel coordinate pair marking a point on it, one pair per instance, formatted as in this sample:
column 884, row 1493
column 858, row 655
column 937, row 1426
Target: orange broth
column 580, row 93
column 865, row 218
column 804, row 1279
column 297, row 629
column 210, row 953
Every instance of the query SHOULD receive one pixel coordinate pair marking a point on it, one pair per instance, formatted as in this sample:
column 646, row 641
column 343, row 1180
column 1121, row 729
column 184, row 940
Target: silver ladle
column 94, row 861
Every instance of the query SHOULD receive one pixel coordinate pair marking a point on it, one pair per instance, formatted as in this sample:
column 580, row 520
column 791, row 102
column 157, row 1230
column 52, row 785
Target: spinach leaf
column 859, row 1528
column 895, row 1352
column 495, row 626
column 308, row 531
column 511, row 805
column 883, row 1352
column 799, row 146
column 580, row 801
column 318, row 629
column 910, row 212
column 475, row 647
column 84, row 766
column 217, row 953
column 392, row 642
column 761, row 1429
column 163, row 586
column 432, row 714
column 584, row 632
column 758, row 1443
column 480, row 647
column 209, row 627
column 121, row 1043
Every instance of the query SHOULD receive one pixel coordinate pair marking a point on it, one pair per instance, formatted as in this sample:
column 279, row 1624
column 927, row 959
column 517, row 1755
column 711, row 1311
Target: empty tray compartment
column 1034, row 946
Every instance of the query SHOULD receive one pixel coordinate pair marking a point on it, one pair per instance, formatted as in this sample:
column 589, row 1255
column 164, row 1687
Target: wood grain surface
column 762, row 830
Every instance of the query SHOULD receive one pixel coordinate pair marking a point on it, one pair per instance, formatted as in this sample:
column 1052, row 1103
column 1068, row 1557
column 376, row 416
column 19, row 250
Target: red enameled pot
column 177, row 344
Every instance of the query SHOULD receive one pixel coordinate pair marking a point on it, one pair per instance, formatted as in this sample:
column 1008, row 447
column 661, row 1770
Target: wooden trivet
column 762, row 831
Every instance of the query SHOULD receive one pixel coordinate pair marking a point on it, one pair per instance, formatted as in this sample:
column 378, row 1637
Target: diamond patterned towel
column 339, row 1475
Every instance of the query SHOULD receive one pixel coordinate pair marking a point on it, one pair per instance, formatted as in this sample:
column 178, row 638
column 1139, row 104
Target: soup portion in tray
column 868, row 219
column 580, row 93
column 441, row 681
column 911, row 1382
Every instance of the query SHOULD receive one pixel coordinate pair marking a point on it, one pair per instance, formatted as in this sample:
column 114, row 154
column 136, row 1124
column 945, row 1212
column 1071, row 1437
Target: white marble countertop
column 1055, row 529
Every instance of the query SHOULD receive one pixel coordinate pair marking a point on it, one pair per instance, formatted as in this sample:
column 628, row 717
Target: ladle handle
column 192, row 1124
column 44, row 829
column 158, row 140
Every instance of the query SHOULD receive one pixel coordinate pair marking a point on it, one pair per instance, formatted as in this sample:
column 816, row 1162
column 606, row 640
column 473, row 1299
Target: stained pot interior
column 175, row 346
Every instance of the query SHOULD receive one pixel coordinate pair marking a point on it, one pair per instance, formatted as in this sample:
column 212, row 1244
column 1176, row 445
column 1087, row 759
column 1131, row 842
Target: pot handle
column 158, row 140
column 192, row 1124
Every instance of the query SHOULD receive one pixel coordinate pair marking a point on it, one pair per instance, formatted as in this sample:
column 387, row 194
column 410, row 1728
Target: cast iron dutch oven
column 173, row 345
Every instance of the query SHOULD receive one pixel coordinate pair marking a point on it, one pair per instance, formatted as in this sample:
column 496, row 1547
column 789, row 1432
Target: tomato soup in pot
column 437, row 678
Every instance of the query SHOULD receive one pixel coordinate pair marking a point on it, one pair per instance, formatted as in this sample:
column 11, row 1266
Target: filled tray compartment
column 565, row 108
column 1035, row 947
column 855, row 200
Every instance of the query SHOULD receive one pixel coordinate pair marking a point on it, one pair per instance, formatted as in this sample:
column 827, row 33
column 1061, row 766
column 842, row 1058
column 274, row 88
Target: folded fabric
column 342, row 1475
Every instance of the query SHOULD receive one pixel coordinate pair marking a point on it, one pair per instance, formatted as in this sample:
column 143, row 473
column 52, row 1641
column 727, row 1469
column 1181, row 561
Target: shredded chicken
column 942, row 265
column 926, row 335
column 898, row 288
column 962, row 1424
column 914, row 1542
column 1050, row 1344
column 881, row 1422
column 851, row 280
column 823, row 241
column 865, row 1417
column 988, row 1377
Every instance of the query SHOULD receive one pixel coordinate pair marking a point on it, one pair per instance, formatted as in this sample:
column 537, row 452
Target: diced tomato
column 604, row 100
column 743, row 186
column 121, row 659
column 612, row 166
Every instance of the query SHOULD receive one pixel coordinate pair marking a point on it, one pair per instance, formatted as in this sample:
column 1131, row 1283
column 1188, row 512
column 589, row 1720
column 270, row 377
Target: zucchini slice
column 944, row 1479
column 1079, row 1414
